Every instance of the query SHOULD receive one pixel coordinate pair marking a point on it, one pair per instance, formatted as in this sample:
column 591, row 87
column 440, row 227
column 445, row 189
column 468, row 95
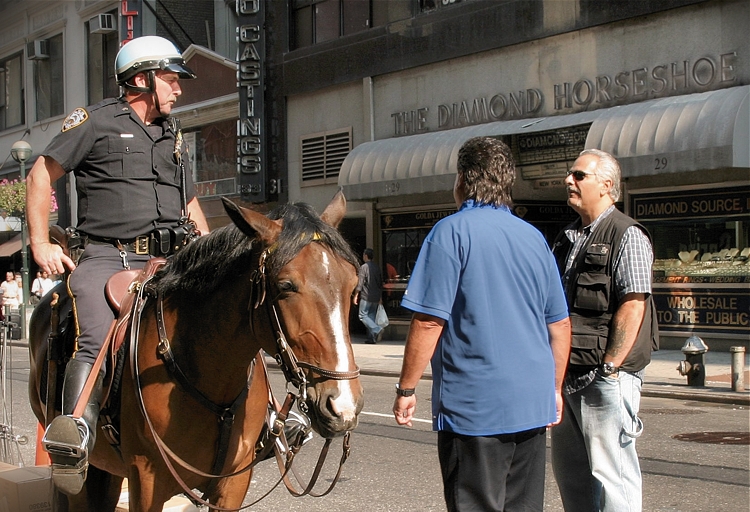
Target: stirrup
column 67, row 437
column 70, row 479
column 296, row 425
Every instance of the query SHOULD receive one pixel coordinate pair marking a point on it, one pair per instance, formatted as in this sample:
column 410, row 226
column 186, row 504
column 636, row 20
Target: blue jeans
column 593, row 449
column 367, row 312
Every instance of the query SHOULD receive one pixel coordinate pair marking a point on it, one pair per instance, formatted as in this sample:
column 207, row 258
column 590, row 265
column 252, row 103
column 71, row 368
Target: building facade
column 56, row 56
column 376, row 97
column 664, row 86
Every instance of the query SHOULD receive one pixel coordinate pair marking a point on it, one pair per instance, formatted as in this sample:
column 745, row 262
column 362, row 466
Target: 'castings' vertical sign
column 251, row 161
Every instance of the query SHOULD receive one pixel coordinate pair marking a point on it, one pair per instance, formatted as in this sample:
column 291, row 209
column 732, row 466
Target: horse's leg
column 144, row 491
column 100, row 493
column 61, row 501
column 230, row 492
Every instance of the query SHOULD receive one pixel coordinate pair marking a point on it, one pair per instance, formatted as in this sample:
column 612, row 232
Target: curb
column 706, row 395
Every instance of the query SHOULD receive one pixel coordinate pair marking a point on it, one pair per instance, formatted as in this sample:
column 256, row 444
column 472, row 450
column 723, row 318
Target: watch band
column 404, row 391
column 609, row 368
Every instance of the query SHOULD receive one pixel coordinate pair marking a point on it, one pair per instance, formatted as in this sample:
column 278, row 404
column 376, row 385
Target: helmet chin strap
column 152, row 86
column 151, row 89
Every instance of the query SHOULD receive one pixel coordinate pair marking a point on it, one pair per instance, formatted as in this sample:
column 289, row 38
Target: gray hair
column 607, row 168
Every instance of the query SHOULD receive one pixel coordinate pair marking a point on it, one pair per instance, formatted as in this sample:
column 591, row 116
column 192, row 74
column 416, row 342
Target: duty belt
column 139, row 245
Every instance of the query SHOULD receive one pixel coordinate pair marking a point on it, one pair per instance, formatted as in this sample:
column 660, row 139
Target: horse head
column 310, row 274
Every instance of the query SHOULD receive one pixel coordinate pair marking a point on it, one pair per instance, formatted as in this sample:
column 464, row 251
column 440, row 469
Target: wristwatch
column 610, row 369
column 404, row 392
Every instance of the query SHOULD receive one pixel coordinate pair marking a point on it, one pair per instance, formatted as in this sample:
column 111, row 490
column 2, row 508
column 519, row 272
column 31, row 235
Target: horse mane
column 226, row 253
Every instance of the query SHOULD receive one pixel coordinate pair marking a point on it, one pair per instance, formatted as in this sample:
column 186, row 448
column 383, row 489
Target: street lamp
column 21, row 152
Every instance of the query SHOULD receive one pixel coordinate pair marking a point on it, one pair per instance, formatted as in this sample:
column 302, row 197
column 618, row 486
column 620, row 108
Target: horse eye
column 286, row 287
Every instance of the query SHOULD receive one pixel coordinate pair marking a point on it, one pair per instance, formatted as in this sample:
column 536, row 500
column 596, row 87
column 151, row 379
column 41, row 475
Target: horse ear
column 335, row 211
column 253, row 223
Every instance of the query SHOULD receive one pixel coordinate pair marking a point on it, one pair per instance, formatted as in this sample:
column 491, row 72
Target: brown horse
column 216, row 323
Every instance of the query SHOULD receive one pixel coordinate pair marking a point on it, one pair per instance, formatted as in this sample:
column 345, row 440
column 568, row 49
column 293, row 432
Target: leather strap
column 83, row 399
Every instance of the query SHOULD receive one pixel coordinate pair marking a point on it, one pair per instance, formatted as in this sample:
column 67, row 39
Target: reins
column 293, row 372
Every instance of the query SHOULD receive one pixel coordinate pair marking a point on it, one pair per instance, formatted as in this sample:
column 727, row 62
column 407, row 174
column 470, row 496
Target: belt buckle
column 141, row 244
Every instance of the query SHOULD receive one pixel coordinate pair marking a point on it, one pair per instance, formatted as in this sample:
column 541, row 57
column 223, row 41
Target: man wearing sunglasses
column 605, row 261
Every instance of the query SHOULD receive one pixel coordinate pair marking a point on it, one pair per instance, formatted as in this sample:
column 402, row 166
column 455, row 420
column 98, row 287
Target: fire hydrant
column 694, row 367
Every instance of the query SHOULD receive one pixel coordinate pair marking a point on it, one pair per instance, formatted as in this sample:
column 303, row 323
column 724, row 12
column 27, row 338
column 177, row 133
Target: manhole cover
column 715, row 437
column 663, row 411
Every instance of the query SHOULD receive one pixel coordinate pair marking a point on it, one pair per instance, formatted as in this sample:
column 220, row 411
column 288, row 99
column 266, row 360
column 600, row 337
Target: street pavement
column 661, row 380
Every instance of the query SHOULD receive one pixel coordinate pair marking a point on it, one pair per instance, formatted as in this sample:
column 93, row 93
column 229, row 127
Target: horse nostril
column 341, row 407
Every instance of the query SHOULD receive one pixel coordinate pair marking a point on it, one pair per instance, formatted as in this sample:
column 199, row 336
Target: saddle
column 121, row 291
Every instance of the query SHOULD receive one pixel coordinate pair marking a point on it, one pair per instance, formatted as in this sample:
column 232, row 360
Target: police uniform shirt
column 127, row 178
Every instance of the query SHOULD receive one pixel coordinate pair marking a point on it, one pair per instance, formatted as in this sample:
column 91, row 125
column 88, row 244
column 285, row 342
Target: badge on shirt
column 76, row 118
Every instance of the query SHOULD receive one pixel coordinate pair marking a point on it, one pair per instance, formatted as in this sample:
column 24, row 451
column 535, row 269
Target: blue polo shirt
column 493, row 279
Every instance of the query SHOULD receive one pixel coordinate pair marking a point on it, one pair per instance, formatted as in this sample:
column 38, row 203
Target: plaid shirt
column 632, row 264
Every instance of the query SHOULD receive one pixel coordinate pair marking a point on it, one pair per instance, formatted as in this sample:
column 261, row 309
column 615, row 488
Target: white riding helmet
column 149, row 53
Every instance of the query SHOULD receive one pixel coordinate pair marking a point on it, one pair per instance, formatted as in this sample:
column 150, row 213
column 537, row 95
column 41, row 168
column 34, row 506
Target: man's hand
column 558, row 408
column 51, row 258
column 403, row 409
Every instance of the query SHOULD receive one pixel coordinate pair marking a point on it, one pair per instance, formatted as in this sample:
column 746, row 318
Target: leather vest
column 592, row 300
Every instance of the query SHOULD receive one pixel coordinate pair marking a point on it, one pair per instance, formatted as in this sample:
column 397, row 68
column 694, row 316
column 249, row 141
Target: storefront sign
column 628, row 86
column 715, row 311
column 545, row 212
column 413, row 219
column 251, row 138
column 691, row 204
column 130, row 20
column 548, row 154
column 685, row 76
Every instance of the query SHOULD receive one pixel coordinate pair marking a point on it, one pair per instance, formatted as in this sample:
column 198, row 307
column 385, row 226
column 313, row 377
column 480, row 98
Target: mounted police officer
column 135, row 201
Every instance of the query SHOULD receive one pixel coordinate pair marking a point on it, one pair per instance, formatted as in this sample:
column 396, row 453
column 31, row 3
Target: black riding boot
column 69, row 440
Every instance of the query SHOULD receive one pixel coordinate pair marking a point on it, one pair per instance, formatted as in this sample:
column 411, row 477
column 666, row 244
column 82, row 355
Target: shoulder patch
column 76, row 118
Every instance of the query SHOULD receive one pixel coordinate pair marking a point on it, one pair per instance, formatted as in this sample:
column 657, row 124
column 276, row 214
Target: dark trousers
column 502, row 473
column 94, row 314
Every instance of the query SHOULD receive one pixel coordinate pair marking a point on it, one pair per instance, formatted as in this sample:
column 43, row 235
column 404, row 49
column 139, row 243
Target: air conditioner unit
column 102, row 24
column 37, row 49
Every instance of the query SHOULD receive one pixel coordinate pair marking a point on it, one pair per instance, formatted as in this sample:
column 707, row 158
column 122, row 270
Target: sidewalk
column 662, row 378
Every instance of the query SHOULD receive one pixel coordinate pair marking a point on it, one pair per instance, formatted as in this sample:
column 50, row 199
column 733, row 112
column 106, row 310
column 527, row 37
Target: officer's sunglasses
column 579, row 175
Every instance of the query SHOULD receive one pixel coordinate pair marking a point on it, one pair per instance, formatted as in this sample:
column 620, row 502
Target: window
column 387, row 11
column 323, row 154
column 11, row 92
column 49, row 80
column 327, row 20
column 315, row 21
column 102, row 46
column 356, row 16
column 212, row 150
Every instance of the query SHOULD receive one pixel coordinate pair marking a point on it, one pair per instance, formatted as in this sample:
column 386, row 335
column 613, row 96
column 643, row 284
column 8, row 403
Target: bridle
column 291, row 367
column 294, row 374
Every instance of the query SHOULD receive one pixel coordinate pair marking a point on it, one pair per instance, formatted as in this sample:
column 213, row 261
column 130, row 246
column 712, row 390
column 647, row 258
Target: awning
column 11, row 247
column 677, row 134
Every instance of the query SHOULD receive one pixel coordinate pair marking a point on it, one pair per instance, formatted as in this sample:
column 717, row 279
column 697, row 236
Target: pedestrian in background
column 41, row 285
column 490, row 312
column 605, row 260
column 11, row 290
column 368, row 295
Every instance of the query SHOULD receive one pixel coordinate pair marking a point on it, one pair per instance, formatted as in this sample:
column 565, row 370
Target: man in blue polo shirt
column 490, row 312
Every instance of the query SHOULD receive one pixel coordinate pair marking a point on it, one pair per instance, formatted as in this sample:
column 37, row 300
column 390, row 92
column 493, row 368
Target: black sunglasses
column 579, row 175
